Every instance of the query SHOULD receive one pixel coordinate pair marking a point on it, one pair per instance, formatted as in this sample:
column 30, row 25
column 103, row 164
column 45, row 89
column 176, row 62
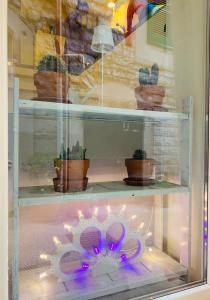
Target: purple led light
column 112, row 247
column 96, row 250
column 85, row 266
column 123, row 257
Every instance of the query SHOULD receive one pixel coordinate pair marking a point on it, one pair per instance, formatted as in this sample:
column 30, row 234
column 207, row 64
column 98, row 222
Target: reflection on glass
column 108, row 148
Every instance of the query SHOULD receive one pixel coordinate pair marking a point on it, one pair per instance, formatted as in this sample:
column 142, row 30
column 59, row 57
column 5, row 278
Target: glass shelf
column 42, row 108
column 42, row 195
column 155, row 267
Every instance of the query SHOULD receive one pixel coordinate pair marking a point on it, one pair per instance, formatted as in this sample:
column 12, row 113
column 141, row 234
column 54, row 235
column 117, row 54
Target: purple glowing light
column 123, row 257
column 96, row 250
column 85, row 266
column 111, row 247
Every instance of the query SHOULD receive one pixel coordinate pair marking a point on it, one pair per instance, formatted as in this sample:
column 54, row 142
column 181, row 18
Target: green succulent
column 154, row 74
column 149, row 78
column 76, row 153
column 144, row 76
column 140, row 154
column 52, row 63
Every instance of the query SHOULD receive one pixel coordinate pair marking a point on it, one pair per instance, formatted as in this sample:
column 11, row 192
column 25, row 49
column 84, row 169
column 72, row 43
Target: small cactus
column 51, row 63
column 154, row 75
column 144, row 76
column 149, row 78
column 76, row 153
column 140, row 154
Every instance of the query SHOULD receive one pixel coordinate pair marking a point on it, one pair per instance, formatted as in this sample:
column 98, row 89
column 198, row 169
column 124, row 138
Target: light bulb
column 80, row 214
column 43, row 275
column 67, row 226
column 133, row 217
column 111, row 4
column 108, row 209
column 141, row 226
column 124, row 207
column 96, row 211
column 56, row 240
column 149, row 233
column 44, row 256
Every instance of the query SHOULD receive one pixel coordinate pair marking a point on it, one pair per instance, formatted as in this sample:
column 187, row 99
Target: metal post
column 15, row 266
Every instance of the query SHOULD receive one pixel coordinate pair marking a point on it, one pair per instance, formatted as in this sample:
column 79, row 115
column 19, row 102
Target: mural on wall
column 77, row 20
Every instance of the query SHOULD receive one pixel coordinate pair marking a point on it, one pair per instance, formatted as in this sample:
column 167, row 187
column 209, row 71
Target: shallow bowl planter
column 51, row 86
column 73, row 169
column 142, row 169
column 62, row 185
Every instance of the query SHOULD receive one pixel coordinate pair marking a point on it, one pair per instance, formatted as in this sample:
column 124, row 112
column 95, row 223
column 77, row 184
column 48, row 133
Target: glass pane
column 107, row 148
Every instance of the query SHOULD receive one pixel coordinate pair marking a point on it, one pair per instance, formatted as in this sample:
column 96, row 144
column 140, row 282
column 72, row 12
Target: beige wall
column 188, row 25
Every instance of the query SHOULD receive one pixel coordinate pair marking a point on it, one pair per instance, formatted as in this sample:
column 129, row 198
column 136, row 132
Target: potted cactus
column 51, row 80
column 71, row 169
column 149, row 94
column 139, row 169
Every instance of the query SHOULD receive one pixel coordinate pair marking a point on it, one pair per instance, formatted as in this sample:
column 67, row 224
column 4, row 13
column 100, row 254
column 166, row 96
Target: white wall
column 3, row 155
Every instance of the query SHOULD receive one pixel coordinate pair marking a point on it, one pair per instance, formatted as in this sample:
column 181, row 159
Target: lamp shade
column 102, row 41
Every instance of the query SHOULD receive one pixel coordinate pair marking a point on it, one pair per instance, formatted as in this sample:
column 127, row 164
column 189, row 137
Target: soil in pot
column 52, row 86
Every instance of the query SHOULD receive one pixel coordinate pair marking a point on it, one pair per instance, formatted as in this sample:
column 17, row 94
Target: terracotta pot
column 142, row 169
column 51, row 86
column 61, row 185
column 73, row 169
column 149, row 96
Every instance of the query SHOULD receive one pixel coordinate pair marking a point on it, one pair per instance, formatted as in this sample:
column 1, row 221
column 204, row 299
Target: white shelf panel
column 42, row 195
column 155, row 267
column 42, row 108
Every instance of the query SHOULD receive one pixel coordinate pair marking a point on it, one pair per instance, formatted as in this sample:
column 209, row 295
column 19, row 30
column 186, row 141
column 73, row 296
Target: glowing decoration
column 123, row 209
column 80, row 214
column 67, row 227
column 85, row 266
column 108, row 209
column 43, row 275
column 44, row 256
column 109, row 254
column 96, row 250
column 56, row 241
column 141, row 226
column 111, row 247
column 96, row 211
column 123, row 257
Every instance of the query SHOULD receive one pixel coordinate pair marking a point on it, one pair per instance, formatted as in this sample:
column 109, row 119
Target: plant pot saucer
column 56, row 100
column 138, row 181
column 143, row 106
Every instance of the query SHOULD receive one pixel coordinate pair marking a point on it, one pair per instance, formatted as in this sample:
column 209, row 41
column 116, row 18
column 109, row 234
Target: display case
column 107, row 195
column 121, row 238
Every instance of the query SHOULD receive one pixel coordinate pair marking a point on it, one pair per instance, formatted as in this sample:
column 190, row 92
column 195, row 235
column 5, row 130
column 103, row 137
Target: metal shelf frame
column 23, row 197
